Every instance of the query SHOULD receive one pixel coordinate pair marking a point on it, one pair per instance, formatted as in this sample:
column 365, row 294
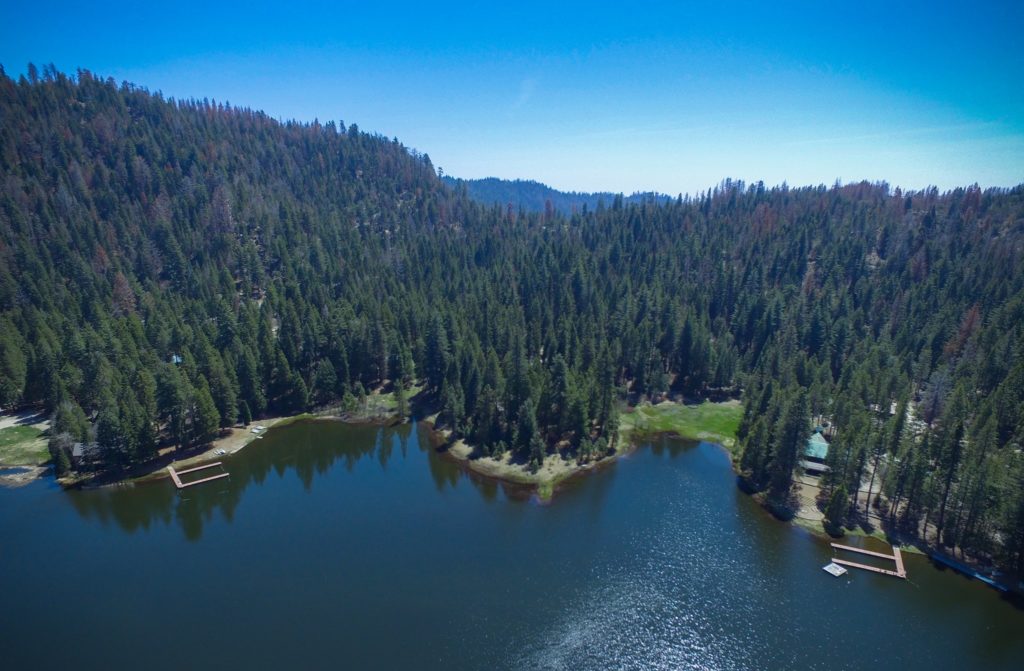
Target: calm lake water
column 357, row 547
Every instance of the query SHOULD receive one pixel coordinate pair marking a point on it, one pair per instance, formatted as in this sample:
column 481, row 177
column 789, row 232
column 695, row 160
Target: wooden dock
column 896, row 557
column 175, row 475
column 861, row 550
column 868, row 568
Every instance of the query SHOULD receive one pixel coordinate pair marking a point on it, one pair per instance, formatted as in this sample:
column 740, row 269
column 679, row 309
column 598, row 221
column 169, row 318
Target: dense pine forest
column 169, row 268
column 536, row 197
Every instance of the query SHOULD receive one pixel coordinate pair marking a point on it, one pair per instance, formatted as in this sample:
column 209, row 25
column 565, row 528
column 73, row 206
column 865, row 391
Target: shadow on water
column 656, row 561
column 310, row 449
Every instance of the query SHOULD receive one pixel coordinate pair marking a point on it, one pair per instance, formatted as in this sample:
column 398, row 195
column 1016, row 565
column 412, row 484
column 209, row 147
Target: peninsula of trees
column 171, row 267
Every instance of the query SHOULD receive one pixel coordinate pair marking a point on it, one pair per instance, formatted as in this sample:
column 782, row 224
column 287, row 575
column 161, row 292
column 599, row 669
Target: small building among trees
column 815, row 452
column 83, row 454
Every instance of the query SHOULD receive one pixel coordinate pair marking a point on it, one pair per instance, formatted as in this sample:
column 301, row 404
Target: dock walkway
column 176, row 475
column 896, row 557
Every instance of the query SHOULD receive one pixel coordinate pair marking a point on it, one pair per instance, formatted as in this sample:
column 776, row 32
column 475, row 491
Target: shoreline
column 546, row 484
column 242, row 437
column 21, row 475
column 377, row 409
column 543, row 482
column 696, row 422
column 234, row 442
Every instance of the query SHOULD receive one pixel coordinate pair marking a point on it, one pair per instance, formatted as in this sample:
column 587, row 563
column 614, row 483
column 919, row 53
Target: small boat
column 834, row 569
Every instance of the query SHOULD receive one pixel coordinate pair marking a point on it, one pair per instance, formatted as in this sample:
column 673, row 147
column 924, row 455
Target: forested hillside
column 536, row 197
column 171, row 267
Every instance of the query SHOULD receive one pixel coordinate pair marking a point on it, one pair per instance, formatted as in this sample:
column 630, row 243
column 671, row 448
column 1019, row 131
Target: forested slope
column 169, row 267
column 536, row 197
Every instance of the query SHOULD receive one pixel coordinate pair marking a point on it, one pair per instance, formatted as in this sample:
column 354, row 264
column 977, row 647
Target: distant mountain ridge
column 534, row 196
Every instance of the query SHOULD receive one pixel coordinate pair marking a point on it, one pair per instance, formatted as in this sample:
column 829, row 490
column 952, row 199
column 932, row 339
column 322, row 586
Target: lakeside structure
column 815, row 452
column 176, row 475
column 896, row 557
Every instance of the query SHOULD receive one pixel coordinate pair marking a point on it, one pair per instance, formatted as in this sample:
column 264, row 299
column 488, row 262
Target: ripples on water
column 658, row 609
column 658, row 562
column 683, row 594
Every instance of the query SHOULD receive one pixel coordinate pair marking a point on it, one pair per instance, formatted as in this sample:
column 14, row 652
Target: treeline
column 168, row 268
column 907, row 341
column 534, row 197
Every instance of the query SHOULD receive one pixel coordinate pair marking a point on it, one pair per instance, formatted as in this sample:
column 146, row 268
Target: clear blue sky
column 624, row 97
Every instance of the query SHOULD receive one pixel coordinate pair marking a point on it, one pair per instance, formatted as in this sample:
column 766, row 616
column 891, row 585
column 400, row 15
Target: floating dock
column 176, row 475
column 834, row 569
column 896, row 557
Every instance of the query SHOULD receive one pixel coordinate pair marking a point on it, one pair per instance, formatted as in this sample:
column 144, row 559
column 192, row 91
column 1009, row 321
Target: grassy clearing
column 22, row 446
column 386, row 403
column 712, row 422
column 376, row 406
column 816, row 528
column 882, row 536
column 275, row 422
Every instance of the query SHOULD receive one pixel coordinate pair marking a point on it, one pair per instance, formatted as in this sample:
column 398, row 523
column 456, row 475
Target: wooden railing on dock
column 199, row 468
column 182, row 485
column 212, row 477
column 896, row 556
column 868, row 568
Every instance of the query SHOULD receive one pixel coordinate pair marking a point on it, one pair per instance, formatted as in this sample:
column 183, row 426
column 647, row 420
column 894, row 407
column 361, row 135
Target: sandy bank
column 226, row 445
column 545, row 479
column 21, row 475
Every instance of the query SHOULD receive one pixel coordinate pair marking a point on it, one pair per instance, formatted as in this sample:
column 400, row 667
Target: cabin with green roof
column 815, row 452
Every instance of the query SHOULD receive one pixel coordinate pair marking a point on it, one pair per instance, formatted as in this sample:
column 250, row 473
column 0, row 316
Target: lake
column 360, row 547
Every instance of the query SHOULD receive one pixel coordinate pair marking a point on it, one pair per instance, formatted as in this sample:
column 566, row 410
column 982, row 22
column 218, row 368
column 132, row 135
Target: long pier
column 175, row 475
column 869, row 568
column 896, row 557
